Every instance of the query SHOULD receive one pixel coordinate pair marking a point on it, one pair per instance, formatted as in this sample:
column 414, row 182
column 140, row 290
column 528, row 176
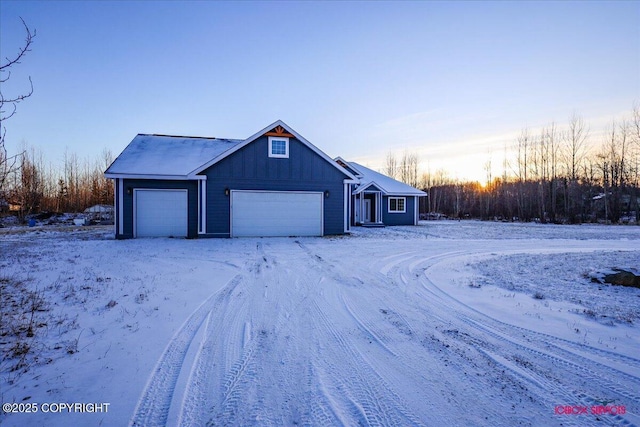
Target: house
column 379, row 200
column 274, row 183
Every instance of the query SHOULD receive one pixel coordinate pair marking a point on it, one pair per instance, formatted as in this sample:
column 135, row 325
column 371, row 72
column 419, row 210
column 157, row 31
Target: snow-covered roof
column 170, row 157
column 184, row 157
column 99, row 209
column 388, row 185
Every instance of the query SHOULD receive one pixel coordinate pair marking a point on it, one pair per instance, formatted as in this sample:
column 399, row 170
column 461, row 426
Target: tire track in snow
column 233, row 384
column 507, row 332
column 575, row 365
column 366, row 327
column 399, row 368
column 586, row 369
column 435, row 291
column 545, row 387
column 224, row 350
column 155, row 401
column 223, row 362
column 366, row 396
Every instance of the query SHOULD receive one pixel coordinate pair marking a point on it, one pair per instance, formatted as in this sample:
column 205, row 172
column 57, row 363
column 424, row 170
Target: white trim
column 151, row 176
column 363, row 187
column 286, row 147
column 416, row 212
column 135, row 190
column 115, row 207
column 404, row 205
column 120, row 205
column 202, row 207
column 345, row 204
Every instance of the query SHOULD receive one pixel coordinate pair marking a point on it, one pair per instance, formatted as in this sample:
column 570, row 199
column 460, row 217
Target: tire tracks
column 153, row 406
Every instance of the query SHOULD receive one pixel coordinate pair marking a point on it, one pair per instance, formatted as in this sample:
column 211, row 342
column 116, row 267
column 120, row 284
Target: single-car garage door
column 160, row 213
column 276, row 213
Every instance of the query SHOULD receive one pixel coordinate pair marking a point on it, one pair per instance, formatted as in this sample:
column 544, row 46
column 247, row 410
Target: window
column 278, row 147
column 397, row 204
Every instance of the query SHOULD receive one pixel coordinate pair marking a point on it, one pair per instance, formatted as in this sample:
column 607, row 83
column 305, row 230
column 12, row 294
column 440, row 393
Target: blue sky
column 454, row 81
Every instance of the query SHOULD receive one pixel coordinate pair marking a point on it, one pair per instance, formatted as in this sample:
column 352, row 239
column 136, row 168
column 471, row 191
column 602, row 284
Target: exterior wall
column 406, row 218
column 127, row 203
column 251, row 168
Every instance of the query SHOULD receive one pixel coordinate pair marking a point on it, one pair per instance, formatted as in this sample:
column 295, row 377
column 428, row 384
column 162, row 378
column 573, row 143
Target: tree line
column 28, row 184
column 554, row 175
column 36, row 186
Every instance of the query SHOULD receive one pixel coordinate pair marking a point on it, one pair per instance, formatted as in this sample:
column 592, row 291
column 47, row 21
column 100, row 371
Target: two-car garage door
column 276, row 213
column 253, row 213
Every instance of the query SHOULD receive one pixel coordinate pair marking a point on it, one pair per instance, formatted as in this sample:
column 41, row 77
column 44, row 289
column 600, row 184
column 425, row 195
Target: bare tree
column 391, row 167
column 29, row 191
column 409, row 169
column 574, row 153
column 524, row 141
column 553, row 153
column 634, row 131
column 9, row 105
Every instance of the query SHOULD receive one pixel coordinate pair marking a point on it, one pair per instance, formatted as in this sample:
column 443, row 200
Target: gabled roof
column 283, row 125
column 388, row 185
column 182, row 157
column 166, row 157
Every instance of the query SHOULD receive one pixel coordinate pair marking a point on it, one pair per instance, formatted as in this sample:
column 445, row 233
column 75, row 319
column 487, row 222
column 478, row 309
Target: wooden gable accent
column 279, row 131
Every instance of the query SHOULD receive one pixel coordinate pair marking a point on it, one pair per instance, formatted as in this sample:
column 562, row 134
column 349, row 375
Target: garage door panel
column 256, row 213
column 161, row 213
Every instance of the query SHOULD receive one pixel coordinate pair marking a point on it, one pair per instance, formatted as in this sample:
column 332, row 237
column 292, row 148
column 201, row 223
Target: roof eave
column 110, row 175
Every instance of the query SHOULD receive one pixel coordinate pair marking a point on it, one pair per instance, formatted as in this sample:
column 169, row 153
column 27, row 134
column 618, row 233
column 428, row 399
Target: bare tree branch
column 8, row 106
column 22, row 51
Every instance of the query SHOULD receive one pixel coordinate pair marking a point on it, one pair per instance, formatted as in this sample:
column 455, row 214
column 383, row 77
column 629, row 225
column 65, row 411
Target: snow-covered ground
column 448, row 323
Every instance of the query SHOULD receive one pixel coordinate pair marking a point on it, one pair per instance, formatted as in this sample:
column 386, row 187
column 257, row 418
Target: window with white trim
column 397, row 204
column 279, row 147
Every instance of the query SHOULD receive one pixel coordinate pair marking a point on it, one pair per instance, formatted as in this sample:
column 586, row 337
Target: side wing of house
column 379, row 200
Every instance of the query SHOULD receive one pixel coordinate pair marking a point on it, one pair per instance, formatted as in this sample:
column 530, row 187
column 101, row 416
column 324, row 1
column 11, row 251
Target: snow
column 168, row 155
column 437, row 324
column 387, row 184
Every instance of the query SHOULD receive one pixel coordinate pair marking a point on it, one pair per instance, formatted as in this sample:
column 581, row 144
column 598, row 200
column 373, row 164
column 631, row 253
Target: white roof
column 99, row 208
column 155, row 156
column 388, row 185
column 183, row 157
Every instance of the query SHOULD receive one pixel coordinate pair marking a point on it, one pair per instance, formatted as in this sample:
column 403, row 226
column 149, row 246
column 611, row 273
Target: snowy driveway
column 382, row 328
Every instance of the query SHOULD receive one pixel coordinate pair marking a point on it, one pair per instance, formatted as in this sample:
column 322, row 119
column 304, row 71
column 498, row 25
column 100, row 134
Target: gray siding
column 192, row 203
column 251, row 168
column 406, row 218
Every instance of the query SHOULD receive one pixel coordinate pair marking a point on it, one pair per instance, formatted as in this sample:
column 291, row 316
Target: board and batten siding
column 251, row 168
column 127, row 203
column 406, row 218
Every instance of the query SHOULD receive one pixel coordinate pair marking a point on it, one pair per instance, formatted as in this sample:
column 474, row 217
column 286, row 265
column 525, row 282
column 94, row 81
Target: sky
column 453, row 81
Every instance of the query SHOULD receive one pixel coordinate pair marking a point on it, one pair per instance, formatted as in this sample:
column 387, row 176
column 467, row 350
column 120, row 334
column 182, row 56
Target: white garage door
column 276, row 213
column 160, row 213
